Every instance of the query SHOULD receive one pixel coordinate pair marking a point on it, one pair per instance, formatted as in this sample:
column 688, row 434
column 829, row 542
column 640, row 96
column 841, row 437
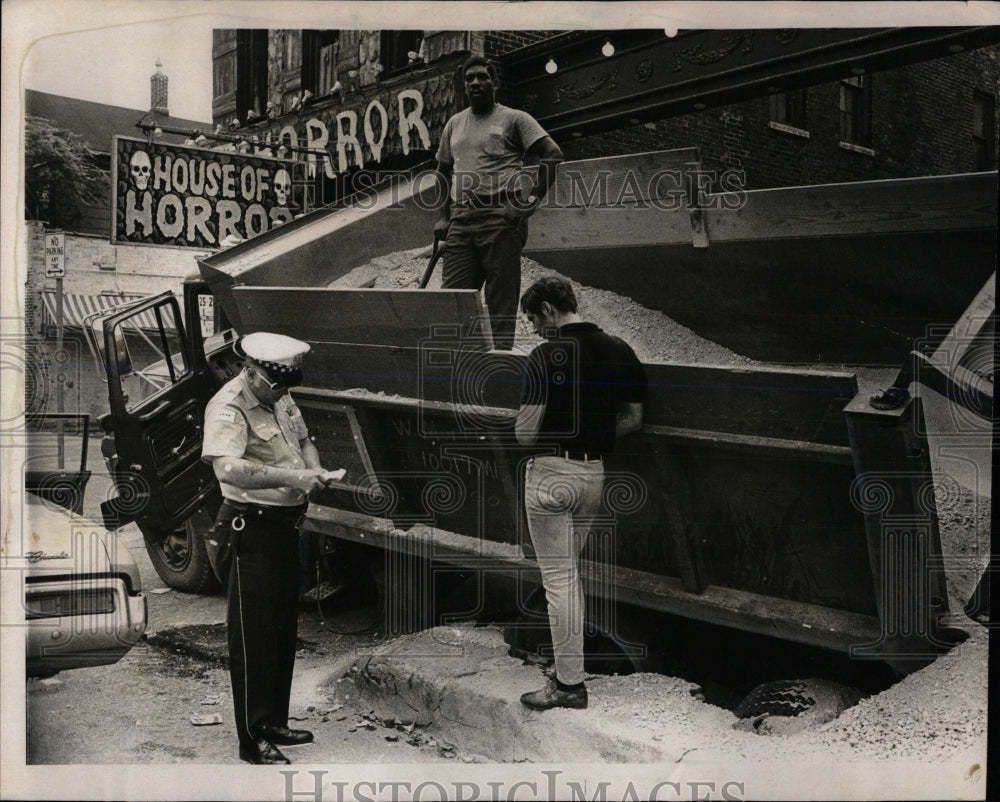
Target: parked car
column 83, row 600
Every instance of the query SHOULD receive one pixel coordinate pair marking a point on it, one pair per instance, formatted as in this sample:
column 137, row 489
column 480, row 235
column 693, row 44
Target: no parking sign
column 55, row 255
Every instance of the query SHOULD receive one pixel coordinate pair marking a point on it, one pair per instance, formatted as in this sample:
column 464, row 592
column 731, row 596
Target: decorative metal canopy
column 570, row 83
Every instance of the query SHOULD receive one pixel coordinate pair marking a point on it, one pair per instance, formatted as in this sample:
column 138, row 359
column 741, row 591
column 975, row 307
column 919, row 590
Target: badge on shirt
column 226, row 414
column 296, row 422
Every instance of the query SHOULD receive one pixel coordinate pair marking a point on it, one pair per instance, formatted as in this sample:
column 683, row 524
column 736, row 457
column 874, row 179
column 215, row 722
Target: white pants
column 562, row 498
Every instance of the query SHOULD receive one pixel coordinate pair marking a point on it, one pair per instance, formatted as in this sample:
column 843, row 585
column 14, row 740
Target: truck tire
column 181, row 558
column 796, row 697
column 777, row 698
column 788, row 707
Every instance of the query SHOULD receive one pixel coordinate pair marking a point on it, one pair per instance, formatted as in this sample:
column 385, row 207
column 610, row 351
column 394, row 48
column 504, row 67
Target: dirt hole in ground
column 754, row 676
column 726, row 664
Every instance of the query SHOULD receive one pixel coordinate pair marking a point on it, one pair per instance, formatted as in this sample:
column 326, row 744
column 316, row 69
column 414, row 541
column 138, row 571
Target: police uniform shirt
column 238, row 425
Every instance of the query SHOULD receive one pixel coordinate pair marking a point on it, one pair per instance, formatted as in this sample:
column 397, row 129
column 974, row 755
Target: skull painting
column 282, row 187
column 140, row 168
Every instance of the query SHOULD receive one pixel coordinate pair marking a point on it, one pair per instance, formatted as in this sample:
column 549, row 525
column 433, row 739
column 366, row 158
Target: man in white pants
column 581, row 390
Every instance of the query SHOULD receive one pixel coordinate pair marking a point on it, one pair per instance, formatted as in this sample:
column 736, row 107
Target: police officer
column 259, row 447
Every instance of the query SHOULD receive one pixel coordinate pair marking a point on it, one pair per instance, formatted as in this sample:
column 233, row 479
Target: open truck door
column 158, row 386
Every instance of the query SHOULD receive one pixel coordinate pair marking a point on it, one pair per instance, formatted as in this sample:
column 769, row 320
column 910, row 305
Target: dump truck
column 771, row 499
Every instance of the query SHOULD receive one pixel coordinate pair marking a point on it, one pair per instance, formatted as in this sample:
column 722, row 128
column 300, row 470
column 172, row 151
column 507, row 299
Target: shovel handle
column 435, row 255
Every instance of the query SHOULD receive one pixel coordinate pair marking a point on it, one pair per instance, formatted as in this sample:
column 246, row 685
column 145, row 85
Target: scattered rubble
column 935, row 714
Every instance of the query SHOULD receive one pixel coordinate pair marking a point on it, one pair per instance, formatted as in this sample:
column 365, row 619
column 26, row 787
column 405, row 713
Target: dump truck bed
column 774, row 500
column 835, row 274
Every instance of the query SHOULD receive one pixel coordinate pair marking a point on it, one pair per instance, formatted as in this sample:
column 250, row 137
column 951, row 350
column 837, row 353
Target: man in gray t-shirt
column 484, row 217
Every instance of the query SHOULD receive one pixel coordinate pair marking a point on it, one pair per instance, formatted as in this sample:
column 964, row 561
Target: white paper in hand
column 334, row 476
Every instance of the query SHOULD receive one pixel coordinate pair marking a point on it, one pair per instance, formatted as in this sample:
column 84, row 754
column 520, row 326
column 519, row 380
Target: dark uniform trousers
column 262, row 614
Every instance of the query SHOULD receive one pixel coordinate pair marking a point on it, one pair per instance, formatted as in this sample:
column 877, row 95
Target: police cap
column 274, row 352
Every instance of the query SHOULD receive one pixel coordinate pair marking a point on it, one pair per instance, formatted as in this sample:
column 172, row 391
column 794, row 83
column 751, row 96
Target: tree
column 60, row 174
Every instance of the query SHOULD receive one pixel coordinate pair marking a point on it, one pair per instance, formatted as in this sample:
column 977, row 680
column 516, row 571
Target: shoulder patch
column 226, row 414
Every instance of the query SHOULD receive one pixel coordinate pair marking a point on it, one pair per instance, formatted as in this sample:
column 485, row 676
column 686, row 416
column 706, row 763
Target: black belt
column 497, row 201
column 265, row 509
column 582, row 456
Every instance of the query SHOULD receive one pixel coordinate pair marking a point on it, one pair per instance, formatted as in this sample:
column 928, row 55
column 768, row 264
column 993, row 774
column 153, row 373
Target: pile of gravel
column 964, row 521
column 653, row 336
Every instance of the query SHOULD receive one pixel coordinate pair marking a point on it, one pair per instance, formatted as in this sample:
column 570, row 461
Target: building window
column 983, row 131
column 319, row 60
column 251, row 71
column 855, row 110
column 789, row 108
column 396, row 49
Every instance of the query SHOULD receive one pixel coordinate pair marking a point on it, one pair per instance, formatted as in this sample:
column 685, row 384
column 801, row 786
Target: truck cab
column 163, row 361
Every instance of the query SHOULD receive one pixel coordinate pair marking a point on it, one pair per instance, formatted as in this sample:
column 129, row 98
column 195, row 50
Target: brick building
column 867, row 117
column 345, row 102
column 902, row 127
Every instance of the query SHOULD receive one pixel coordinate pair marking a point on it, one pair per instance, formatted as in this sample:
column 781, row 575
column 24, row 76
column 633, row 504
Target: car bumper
column 80, row 623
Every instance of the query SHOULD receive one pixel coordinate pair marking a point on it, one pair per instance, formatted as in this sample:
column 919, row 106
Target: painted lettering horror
column 338, row 138
column 197, row 197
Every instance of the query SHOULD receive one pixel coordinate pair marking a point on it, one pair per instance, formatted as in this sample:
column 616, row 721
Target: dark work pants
column 262, row 616
column 485, row 251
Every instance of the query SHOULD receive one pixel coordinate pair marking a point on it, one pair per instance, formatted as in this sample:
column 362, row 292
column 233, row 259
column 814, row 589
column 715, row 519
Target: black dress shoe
column 286, row 737
column 550, row 696
column 262, row 753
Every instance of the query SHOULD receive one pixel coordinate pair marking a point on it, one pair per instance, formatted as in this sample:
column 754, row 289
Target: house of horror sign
column 196, row 197
column 358, row 137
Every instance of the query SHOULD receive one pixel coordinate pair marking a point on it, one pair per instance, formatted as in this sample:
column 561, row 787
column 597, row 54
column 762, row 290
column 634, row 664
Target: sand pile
column 935, row 714
column 653, row 335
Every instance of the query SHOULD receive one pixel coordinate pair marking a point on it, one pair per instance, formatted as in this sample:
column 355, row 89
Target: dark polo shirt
column 582, row 377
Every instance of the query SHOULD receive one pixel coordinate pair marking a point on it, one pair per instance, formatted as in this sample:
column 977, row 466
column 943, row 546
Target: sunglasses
column 280, row 381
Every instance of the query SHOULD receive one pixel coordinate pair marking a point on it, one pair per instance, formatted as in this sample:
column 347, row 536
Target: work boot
column 551, row 696
column 262, row 753
column 286, row 737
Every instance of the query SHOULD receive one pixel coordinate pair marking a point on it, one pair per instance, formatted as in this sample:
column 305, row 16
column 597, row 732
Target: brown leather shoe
column 286, row 737
column 262, row 753
column 550, row 696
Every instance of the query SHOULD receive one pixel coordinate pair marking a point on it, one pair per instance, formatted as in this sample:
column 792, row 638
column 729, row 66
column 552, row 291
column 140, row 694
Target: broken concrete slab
column 462, row 686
